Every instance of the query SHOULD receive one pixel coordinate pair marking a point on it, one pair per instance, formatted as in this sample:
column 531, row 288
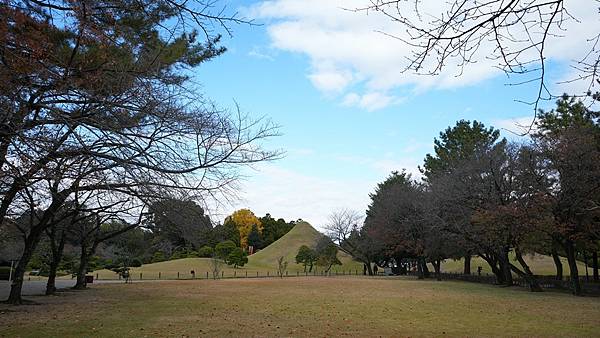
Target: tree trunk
column 587, row 273
column 82, row 270
column 493, row 263
column 467, row 268
column 426, row 273
column 557, row 263
column 437, row 267
column 329, row 268
column 369, row 269
column 529, row 277
column 57, row 252
column 31, row 242
column 51, row 284
column 420, row 274
column 571, row 258
column 596, row 278
column 505, row 268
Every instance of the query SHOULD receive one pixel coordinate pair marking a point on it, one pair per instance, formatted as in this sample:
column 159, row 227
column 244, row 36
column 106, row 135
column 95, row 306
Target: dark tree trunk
column 31, row 242
column 505, row 268
column 587, row 273
column 596, row 278
column 51, row 284
column 83, row 265
column 437, row 264
column 493, row 263
column 571, row 258
column 57, row 252
column 16, row 286
column 426, row 272
column 467, row 268
column 81, row 272
column 329, row 268
column 557, row 263
column 369, row 269
column 529, row 277
column 420, row 273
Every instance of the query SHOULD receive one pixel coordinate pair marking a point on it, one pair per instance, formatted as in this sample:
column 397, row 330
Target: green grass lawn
column 263, row 262
column 305, row 306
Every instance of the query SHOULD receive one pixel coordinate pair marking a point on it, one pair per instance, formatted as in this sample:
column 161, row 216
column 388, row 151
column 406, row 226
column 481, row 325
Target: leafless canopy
column 513, row 33
column 342, row 223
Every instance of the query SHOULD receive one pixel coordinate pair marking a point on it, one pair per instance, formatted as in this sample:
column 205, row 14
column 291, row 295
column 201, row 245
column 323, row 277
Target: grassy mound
column 288, row 245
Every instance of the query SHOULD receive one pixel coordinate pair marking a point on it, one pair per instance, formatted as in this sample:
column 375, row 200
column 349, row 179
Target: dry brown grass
column 314, row 306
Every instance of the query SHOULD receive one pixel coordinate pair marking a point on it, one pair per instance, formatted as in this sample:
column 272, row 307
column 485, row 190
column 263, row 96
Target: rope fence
column 226, row 275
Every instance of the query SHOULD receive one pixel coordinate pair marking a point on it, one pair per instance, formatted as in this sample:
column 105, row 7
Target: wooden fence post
column 158, row 275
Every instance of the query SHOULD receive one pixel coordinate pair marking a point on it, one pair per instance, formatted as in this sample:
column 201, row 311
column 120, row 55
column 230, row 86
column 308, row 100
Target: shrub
column 237, row 257
column 192, row 254
column 206, row 251
column 158, row 256
column 307, row 257
column 224, row 248
column 178, row 254
column 136, row 262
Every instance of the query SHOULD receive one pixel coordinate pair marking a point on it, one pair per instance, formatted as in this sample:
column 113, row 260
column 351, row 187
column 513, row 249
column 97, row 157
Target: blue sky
column 347, row 114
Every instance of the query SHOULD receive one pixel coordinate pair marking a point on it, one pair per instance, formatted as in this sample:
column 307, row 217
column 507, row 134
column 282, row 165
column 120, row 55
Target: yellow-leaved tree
column 243, row 220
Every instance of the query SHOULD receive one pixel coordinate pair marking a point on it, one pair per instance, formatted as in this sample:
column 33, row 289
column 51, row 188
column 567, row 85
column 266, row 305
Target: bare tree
column 344, row 227
column 514, row 34
column 216, row 266
column 281, row 266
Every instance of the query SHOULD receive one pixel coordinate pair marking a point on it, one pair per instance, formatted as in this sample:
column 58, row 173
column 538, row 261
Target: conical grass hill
column 287, row 246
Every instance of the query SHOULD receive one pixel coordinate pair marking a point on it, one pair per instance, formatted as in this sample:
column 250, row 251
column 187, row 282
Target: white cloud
column 259, row 53
column 411, row 165
column 301, row 152
column 370, row 101
column 386, row 164
column 414, row 145
column 330, row 80
column 291, row 194
column 350, row 57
